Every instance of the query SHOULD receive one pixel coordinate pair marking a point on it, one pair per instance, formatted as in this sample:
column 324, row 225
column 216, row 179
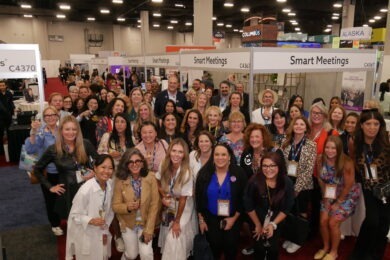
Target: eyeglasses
column 50, row 115
column 131, row 162
column 236, row 122
column 317, row 113
column 67, row 101
column 271, row 166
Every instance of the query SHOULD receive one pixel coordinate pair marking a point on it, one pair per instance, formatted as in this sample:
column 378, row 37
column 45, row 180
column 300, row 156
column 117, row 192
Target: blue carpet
column 22, row 203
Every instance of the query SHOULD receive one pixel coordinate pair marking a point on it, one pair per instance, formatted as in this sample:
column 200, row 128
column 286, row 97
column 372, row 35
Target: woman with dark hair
column 89, row 118
column 219, row 201
column 110, row 96
column 278, row 127
column 300, row 155
column 293, row 112
column 136, row 96
column 103, row 98
column 340, row 195
column 349, row 130
column 257, row 141
column 105, row 124
column 68, row 104
column 78, row 107
column 337, row 116
column 235, row 104
column 136, row 203
column 169, row 129
column 88, row 236
column 152, row 148
column 268, row 199
column 334, row 101
column 175, row 185
column 203, row 146
column 297, row 100
column 372, row 153
column 191, row 126
column 119, row 140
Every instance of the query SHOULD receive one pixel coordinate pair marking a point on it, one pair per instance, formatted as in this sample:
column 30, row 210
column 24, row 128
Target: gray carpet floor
column 24, row 229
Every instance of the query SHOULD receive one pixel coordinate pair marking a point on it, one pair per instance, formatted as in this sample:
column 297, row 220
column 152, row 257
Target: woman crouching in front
column 268, row 198
column 136, row 203
column 219, row 191
column 88, row 236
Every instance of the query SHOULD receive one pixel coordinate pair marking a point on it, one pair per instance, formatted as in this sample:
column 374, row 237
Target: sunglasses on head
column 370, row 110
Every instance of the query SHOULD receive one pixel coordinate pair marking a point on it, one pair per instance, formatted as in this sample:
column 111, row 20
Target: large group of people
column 168, row 166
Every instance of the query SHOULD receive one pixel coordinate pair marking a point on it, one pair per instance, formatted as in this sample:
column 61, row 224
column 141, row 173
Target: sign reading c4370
column 22, row 68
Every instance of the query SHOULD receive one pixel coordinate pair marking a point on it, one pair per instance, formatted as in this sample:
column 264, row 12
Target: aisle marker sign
column 162, row 60
column 216, row 60
column 135, row 60
column 18, row 62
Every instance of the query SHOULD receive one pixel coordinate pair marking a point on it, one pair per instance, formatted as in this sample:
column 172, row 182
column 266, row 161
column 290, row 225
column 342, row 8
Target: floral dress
column 347, row 207
column 237, row 147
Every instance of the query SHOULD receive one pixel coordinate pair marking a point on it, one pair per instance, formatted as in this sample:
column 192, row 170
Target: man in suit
column 245, row 96
column 171, row 93
column 222, row 99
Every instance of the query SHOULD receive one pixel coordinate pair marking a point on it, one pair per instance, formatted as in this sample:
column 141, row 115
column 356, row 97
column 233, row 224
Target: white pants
column 133, row 246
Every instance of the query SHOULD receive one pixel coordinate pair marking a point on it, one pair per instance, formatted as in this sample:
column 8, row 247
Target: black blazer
column 163, row 97
column 246, row 100
column 237, row 189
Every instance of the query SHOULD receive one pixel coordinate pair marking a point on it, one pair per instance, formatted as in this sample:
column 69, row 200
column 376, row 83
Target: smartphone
column 222, row 224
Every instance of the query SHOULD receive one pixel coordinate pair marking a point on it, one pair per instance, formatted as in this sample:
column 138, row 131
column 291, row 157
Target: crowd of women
column 107, row 161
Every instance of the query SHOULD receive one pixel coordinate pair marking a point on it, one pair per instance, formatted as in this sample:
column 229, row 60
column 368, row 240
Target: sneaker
column 248, row 251
column 292, row 248
column 286, row 244
column 120, row 245
column 57, row 231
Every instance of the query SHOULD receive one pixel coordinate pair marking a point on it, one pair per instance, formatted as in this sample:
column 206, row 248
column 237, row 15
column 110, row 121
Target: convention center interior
column 195, row 129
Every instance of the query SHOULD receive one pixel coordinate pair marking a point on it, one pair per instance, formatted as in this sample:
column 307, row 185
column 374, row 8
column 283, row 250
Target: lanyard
column 172, row 183
column 369, row 155
column 105, row 194
column 294, row 154
column 266, row 119
column 216, row 130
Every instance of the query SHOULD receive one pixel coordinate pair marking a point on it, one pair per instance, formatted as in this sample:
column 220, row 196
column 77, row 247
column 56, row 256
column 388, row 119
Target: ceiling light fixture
column 336, row 14
column 383, row 10
column 179, row 5
column 104, row 11
column 117, row 1
column 286, row 10
column 156, row 14
column 228, row 4
column 365, row 25
column 228, row 26
column 335, row 17
column 156, row 25
column 327, row 30
column 61, row 16
column 220, row 24
column 245, row 10
column 329, row 26
column 235, row 30
column 25, row 6
column 338, row 5
column 377, row 17
column 27, row 16
column 295, row 23
column 138, row 26
column 371, row 21
column 214, row 18
column 174, row 21
column 291, row 14
column 188, row 24
column 64, row 7
column 91, row 19
column 157, row 1
column 170, row 27
column 281, row 1
column 297, row 29
column 299, row 32
column 241, row 31
column 138, row 21
column 120, row 19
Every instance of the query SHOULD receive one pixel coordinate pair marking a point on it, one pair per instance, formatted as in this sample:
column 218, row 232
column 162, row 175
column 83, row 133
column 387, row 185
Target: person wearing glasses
column 268, row 199
column 88, row 236
column 372, row 153
column 41, row 137
column 136, row 202
column 219, row 194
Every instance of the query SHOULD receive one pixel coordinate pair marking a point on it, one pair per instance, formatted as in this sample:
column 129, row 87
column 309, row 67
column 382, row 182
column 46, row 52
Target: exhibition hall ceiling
column 311, row 16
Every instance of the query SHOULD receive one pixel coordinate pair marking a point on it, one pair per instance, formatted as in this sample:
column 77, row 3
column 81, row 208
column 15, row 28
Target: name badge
column 79, row 177
column 292, row 168
column 102, row 213
column 267, row 219
column 330, row 191
column 374, row 171
column 224, row 208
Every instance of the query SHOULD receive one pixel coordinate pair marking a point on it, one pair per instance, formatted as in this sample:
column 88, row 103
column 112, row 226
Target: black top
column 254, row 200
column 163, row 97
column 243, row 110
column 6, row 108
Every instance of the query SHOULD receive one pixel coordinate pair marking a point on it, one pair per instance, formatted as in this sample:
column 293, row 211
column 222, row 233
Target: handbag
column 202, row 250
column 33, row 177
column 27, row 161
column 382, row 191
column 296, row 228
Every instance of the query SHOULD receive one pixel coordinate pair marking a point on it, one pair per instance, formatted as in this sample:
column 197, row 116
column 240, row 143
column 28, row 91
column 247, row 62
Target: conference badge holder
column 371, row 172
column 292, row 168
column 223, row 208
column 330, row 191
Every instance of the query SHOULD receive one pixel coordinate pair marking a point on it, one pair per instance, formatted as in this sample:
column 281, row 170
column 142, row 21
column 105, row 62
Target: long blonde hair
column 79, row 149
column 166, row 167
column 139, row 121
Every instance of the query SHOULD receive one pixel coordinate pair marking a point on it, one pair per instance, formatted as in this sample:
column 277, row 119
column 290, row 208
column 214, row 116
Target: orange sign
column 177, row 48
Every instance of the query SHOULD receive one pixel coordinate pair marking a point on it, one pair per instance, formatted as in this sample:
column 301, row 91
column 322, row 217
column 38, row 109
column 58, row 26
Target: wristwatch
column 274, row 225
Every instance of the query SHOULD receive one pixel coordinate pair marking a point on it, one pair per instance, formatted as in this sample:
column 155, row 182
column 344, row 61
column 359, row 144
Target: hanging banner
column 169, row 60
column 356, row 33
column 134, row 61
column 352, row 90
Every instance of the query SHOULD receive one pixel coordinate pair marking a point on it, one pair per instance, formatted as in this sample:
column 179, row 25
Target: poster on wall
column 352, row 90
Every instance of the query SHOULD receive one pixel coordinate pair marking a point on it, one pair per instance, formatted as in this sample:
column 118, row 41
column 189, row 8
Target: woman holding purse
column 136, row 203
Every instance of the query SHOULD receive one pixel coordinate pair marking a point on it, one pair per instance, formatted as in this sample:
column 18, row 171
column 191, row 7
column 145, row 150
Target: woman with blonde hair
column 213, row 122
column 176, row 189
column 191, row 97
column 73, row 158
column 136, row 97
column 202, row 103
column 145, row 113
